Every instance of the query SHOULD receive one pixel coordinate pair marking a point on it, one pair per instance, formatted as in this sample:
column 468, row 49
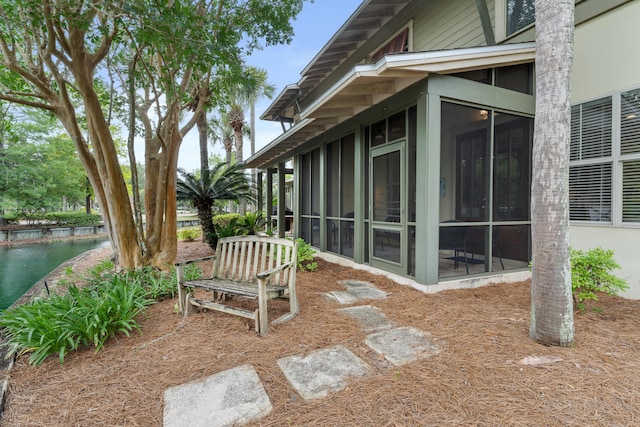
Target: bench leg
column 262, row 308
column 257, row 322
column 182, row 294
column 188, row 307
column 293, row 301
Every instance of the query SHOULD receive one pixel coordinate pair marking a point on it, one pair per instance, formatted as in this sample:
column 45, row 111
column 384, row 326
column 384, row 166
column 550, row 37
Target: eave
column 367, row 85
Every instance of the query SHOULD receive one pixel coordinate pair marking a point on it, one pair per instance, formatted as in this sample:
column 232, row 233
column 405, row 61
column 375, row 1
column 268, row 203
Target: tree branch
column 26, row 102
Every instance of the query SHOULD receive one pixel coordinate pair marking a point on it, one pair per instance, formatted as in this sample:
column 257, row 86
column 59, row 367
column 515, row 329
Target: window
column 511, row 168
column 518, row 78
column 310, row 198
column 597, row 155
column 630, row 154
column 340, row 160
column 520, row 14
column 399, row 43
column 485, row 188
column 591, row 169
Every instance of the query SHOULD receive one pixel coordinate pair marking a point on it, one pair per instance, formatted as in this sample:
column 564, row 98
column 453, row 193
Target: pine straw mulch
column 476, row 379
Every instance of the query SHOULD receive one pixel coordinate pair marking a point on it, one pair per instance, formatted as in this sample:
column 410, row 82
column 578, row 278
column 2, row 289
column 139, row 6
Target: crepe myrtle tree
column 54, row 54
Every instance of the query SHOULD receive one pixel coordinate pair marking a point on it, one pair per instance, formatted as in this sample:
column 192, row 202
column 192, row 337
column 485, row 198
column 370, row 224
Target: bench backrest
column 240, row 258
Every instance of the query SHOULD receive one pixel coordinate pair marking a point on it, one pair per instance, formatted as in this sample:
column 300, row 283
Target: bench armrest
column 267, row 273
column 191, row 261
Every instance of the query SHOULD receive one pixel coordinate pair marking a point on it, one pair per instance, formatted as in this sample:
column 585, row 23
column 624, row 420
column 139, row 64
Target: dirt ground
column 477, row 380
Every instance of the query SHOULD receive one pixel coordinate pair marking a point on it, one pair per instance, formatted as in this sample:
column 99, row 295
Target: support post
column 269, row 196
column 281, row 203
column 259, row 188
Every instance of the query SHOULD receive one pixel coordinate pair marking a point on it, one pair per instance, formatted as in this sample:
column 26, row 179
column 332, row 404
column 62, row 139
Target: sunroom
column 418, row 164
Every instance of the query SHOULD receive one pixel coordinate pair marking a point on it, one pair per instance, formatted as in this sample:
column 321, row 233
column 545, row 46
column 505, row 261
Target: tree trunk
column 237, row 130
column 203, row 130
column 239, row 143
column 551, row 294
column 103, row 170
column 161, row 165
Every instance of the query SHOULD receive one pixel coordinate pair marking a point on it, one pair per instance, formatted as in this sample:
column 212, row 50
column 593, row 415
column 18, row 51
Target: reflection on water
column 22, row 266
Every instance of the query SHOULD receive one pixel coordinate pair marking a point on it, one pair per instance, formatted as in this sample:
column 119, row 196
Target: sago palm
column 217, row 183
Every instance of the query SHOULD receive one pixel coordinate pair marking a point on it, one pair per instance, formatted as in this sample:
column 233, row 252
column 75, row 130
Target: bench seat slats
column 245, row 289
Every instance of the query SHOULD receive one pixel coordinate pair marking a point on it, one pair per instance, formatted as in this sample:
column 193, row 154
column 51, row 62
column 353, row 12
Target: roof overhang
column 370, row 84
column 283, row 107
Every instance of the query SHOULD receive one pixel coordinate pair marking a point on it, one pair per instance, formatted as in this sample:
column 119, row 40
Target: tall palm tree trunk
column 551, row 295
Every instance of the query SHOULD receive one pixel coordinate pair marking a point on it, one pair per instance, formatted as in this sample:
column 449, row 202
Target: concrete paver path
column 323, row 371
column 236, row 396
column 228, row 398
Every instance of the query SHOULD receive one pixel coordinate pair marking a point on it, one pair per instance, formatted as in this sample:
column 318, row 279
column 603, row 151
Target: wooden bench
column 259, row 268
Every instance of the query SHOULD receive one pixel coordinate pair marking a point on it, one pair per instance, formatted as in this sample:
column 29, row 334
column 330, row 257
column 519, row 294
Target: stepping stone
column 343, row 297
column 323, row 371
column 232, row 397
column 402, row 345
column 370, row 317
column 363, row 290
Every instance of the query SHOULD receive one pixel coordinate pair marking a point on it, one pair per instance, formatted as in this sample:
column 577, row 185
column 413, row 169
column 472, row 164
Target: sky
column 313, row 28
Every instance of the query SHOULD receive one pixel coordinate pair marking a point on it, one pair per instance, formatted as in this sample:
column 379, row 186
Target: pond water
column 22, row 266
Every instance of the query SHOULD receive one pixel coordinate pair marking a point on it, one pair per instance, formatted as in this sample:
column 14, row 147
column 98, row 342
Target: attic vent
column 400, row 43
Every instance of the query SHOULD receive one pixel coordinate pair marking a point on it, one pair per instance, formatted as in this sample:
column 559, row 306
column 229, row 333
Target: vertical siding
column 449, row 24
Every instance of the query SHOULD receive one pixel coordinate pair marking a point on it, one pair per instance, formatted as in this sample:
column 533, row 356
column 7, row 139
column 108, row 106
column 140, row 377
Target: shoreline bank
column 24, row 242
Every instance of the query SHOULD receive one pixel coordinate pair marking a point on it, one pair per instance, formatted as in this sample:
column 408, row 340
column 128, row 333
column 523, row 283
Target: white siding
column 607, row 59
column 606, row 53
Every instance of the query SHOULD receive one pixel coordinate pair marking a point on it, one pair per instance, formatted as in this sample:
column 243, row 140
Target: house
column 411, row 132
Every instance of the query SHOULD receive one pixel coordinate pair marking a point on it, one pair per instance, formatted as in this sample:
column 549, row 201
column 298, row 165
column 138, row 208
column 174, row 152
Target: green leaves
column 218, row 183
column 28, row 146
column 591, row 272
column 305, row 256
column 85, row 317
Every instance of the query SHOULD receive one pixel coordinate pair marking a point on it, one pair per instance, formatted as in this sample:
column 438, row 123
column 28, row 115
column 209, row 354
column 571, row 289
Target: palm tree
column 253, row 86
column 217, row 183
column 222, row 132
column 551, row 296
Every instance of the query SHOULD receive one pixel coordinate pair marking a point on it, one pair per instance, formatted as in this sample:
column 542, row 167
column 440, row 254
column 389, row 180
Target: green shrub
column 88, row 316
column 252, row 222
column 591, row 272
column 11, row 218
column 31, row 217
column 96, row 274
column 189, row 234
column 192, row 272
column 305, row 256
column 157, row 284
column 232, row 228
column 72, row 219
column 80, row 318
column 225, row 219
